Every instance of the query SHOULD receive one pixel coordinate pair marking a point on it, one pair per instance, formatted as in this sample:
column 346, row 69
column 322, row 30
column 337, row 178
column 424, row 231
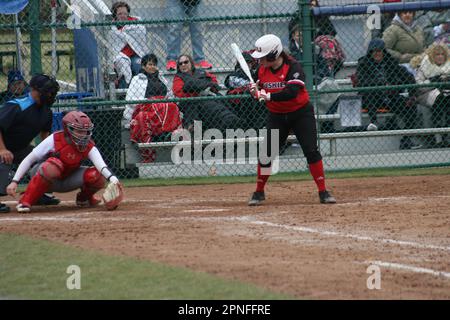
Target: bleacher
column 338, row 147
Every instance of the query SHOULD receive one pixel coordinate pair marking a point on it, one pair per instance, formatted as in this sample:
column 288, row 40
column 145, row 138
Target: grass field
column 36, row 269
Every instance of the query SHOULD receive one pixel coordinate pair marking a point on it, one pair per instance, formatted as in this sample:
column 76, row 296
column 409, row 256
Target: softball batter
column 281, row 83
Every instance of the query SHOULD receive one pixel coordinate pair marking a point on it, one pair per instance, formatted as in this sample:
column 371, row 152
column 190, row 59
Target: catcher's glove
column 113, row 195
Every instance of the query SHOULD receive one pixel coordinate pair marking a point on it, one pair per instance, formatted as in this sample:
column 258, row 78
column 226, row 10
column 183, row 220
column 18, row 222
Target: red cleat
column 203, row 65
column 171, row 65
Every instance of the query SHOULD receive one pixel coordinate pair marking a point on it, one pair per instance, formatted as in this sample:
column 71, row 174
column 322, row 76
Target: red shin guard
column 35, row 190
column 318, row 174
column 262, row 179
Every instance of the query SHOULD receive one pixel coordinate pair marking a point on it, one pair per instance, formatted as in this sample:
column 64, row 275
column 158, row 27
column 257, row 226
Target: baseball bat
column 244, row 66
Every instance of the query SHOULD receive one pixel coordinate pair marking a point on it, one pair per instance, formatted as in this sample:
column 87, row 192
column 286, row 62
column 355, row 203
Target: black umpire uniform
column 21, row 120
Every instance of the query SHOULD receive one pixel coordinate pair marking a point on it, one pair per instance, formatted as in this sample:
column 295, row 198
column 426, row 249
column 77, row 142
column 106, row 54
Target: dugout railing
column 49, row 26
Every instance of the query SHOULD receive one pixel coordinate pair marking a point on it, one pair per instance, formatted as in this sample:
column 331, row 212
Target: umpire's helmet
column 78, row 127
column 47, row 87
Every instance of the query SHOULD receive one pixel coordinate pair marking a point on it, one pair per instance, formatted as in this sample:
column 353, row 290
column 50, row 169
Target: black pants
column 213, row 114
column 6, row 169
column 303, row 123
column 397, row 105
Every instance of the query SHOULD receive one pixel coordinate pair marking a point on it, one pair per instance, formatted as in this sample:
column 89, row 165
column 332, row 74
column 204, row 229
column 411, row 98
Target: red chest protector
column 68, row 153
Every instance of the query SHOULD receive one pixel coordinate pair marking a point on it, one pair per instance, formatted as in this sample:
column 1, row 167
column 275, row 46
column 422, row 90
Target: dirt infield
column 291, row 244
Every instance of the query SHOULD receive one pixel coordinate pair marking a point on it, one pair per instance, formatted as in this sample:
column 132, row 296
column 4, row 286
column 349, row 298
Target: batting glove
column 265, row 95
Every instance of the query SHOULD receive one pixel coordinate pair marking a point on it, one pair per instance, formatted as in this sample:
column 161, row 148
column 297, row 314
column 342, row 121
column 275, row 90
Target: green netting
column 369, row 89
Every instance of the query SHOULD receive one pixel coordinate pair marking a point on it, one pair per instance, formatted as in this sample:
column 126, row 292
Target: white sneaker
column 372, row 127
column 21, row 208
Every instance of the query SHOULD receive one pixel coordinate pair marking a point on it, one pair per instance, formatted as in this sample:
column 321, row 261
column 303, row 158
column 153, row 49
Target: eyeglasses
column 180, row 63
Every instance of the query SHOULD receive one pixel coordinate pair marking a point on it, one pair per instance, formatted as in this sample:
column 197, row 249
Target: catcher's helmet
column 78, row 127
column 47, row 87
column 268, row 46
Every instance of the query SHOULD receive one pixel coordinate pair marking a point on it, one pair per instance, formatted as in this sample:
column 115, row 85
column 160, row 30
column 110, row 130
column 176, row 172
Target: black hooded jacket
column 387, row 72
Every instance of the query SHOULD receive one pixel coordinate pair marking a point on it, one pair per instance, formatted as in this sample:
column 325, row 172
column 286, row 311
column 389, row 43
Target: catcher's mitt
column 113, row 195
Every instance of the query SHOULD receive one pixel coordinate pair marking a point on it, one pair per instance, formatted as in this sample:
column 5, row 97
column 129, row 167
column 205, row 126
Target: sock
column 318, row 175
column 262, row 180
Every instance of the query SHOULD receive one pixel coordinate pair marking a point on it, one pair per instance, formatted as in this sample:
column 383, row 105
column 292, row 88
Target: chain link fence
column 376, row 72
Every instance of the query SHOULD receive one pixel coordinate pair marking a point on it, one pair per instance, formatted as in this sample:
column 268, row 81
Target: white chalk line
column 411, row 268
column 251, row 220
column 207, row 210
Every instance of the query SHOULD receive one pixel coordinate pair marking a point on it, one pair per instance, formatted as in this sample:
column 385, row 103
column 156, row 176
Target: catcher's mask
column 47, row 87
column 78, row 127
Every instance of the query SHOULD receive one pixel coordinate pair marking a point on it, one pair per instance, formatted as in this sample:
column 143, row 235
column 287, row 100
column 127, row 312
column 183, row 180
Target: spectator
column 435, row 67
column 149, row 120
column 404, row 39
column 21, row 120
column 178, row 9
column 329, row 55
column 129, row 44
column 192, row 82
column 435, row 25
column 147, row 84
column 378, row 68
column 295, row 40
column 17, row 86
column 248, row 108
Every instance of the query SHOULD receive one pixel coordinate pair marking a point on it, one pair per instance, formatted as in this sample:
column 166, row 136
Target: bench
column 62, row 53
column 8, row 54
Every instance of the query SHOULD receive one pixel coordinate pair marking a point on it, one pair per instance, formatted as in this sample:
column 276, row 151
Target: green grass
column 365, row 173
column 36, row 269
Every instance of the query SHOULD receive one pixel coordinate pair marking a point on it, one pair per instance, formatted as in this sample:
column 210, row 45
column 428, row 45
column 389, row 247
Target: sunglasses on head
column 183, row 62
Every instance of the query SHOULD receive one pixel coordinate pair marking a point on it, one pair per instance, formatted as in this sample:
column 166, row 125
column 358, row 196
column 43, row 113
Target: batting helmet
column 78, row 127
column 47, row 87
column 268, row 46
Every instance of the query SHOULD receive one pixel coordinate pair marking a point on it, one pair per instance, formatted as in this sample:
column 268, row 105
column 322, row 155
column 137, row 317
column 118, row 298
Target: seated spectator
column 435, row 25
column 192, row 82
column 17, row 86
column 435, row 67
column 329, row 54
column 237, row 82
column 128, row 44
column 147, row 84
column 150, row 120
column 378, row 68
column 404, row 39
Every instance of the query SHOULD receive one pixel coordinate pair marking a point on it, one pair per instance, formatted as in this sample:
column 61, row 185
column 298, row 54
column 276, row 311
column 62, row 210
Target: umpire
column 21, row 120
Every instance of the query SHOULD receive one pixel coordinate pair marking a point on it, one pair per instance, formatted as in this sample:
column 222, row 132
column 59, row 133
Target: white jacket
column 426, row 71
column 135, row 35
column 136, row 91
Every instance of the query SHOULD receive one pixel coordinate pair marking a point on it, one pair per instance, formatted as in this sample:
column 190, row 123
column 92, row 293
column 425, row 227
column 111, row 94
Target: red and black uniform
column 290, row 109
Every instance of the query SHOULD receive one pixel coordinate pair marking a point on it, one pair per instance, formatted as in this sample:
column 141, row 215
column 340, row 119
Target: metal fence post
column 35, row 37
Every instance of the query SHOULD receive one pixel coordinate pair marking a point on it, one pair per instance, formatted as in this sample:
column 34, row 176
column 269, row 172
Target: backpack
column 330, row 49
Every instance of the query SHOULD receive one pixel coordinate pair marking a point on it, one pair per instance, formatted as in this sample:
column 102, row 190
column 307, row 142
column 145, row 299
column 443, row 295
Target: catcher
column 59, row 169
